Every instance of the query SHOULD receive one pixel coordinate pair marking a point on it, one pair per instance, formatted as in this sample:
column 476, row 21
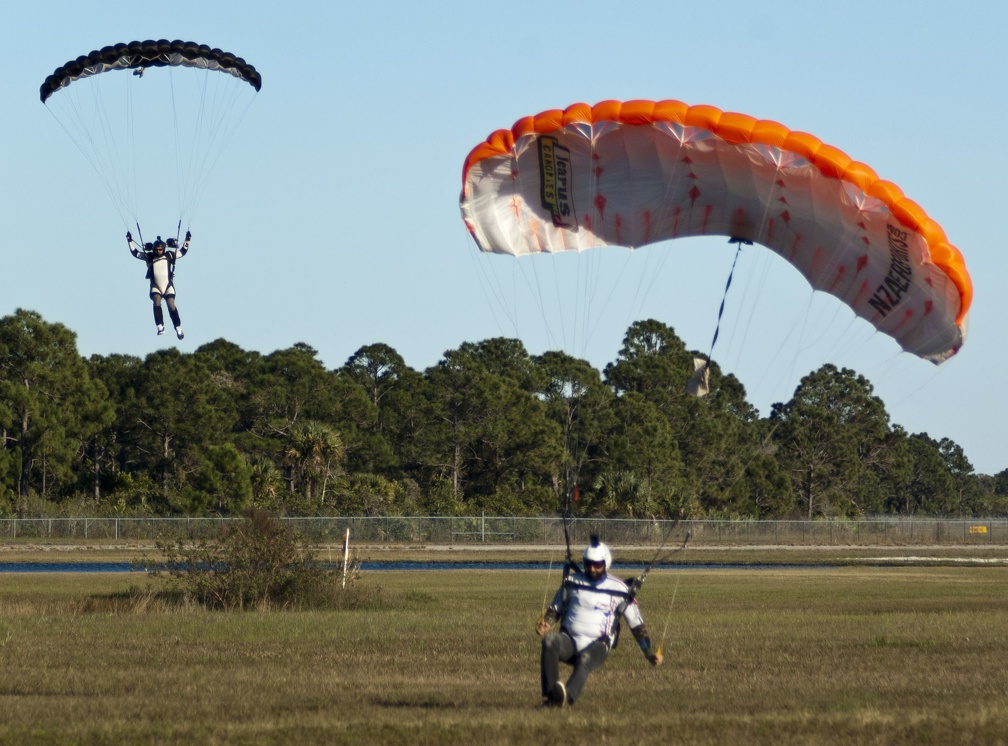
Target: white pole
column 346, row 553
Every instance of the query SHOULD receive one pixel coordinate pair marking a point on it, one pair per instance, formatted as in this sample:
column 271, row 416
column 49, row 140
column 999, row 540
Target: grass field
column 915, row 655
column 98, row 551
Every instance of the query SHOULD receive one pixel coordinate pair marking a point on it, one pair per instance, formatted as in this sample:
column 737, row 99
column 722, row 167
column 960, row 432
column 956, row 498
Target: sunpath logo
column 555, row 180
column 897, row 281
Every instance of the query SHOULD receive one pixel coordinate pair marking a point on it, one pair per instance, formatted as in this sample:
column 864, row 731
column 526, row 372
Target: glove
column 635, row 585
column 188, row 236
column 129, row 236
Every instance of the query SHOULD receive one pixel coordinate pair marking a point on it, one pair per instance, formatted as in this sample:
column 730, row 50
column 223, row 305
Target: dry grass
column 101, row 551
column 847, row 655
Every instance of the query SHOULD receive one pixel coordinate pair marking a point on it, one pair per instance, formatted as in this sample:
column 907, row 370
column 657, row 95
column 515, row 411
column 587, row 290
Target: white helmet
column 597, row 551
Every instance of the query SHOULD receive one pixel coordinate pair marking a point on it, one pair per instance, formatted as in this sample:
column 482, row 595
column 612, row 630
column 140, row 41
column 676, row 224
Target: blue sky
column 332, row 217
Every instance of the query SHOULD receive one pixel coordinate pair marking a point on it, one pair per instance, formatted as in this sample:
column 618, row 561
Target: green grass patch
column 843, row 655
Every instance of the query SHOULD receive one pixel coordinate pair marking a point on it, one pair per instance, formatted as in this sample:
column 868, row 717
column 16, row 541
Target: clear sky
column 332, row 217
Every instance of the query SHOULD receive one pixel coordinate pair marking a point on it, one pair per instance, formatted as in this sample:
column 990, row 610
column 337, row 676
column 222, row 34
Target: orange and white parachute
column 639, row 172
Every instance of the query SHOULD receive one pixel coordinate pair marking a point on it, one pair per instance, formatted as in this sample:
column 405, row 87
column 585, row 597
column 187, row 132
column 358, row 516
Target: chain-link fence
column 484, row 529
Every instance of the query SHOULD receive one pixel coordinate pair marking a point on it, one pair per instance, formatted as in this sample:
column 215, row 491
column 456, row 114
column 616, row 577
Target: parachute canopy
column 152, row 118
column 143, row 54
column 640, row 172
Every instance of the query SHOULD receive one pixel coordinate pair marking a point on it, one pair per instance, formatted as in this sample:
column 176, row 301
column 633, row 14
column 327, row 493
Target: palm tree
column 313, row 454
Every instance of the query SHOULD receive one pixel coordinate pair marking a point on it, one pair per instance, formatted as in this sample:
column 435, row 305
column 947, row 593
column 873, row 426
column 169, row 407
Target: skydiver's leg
column 556, row 647
column 587, row 661
column 158, row 313
column 172, row 311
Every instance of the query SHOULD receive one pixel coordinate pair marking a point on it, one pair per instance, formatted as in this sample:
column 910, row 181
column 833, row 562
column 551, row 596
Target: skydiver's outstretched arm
column 185, row 244
column 134, row 249
column 653, row 655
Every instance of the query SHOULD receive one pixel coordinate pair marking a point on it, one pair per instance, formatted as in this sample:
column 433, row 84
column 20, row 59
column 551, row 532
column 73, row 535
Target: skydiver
column 160, row 258
column 589, row 604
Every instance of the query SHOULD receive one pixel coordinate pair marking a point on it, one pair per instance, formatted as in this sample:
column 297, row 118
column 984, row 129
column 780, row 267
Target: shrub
column 260, row 563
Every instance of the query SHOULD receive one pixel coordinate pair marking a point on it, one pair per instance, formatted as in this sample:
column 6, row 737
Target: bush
column 259, row 563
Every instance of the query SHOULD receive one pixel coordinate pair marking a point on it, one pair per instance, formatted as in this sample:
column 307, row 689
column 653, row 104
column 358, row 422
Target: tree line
column 488, row 428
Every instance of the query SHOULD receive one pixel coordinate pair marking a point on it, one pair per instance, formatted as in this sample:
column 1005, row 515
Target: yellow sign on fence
column 978, row 529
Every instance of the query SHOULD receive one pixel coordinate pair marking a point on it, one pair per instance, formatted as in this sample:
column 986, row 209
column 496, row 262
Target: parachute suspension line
column 181, row 184
column 570, row 487
column 81, row 128
column 638, row 582
column 668, row 616
column 589, row 313
column 196, row 171
column 699, row 383
column 761, row 231
column 731, row 273
column 586, row 276
column 491, row 286
column 223, row 122
column 114, row 154
column 565, row 515
column 582, row 304
column 130, row 171
column 748, row 291
column 539, row 296
column 561, row 305
column 612, row 292
column 214, row 102
column 549, row 572
column 572, row 473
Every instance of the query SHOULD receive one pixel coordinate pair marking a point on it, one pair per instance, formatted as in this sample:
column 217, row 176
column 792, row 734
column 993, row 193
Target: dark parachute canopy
column 143, row 54
column 152, row 118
